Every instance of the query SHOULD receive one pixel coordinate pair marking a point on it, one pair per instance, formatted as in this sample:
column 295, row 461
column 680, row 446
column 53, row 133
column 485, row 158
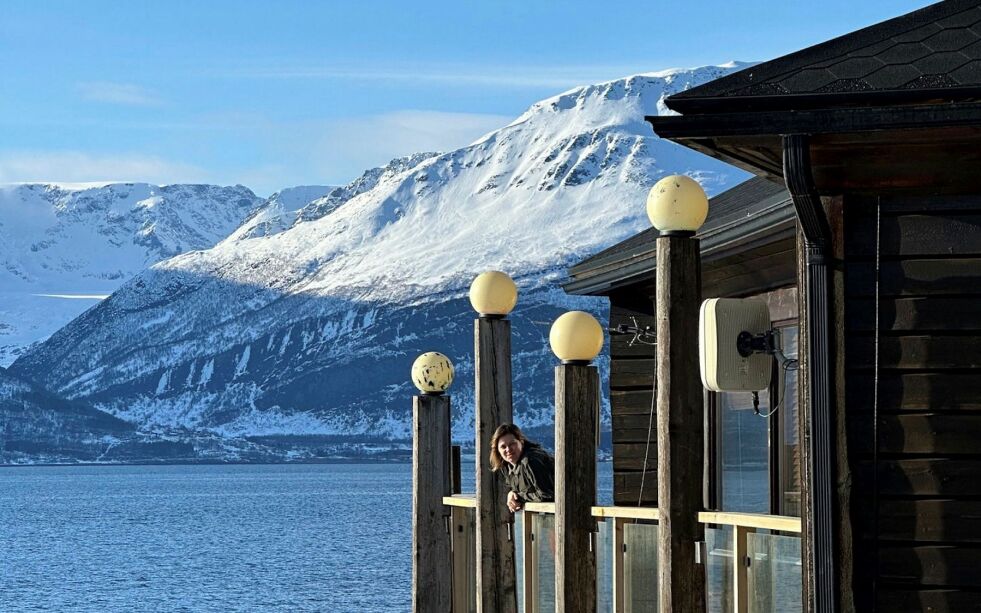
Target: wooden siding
column 756, row 269
column 916, row 491
column 631, row 394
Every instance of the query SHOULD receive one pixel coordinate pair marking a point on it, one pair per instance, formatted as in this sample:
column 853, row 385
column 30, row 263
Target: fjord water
column 293, row 537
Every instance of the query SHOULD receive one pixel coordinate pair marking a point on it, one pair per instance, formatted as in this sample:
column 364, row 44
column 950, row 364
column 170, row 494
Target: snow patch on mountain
column 62, row 246
column 279, row 211
column 310, row 327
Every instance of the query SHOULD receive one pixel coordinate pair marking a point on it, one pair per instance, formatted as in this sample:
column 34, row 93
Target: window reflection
column 751, row 444
column 745, row 453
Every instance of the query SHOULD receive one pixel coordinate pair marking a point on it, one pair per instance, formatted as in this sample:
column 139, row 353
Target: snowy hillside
column 38, row 427
column 310, row 329
column 280, row 211
column 64, row 247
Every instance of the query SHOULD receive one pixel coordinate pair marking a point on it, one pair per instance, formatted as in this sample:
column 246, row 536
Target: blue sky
column 275, row 94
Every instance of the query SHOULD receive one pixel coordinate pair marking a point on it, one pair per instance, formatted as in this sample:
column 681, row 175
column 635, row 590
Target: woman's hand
column 514, row 502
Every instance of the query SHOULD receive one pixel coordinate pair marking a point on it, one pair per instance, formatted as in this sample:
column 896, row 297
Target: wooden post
column 740, row 568
column 576, row 414
column 619, row 591
column 431, row 558
column 680, row 432
column 530, row 562
column 496, row 576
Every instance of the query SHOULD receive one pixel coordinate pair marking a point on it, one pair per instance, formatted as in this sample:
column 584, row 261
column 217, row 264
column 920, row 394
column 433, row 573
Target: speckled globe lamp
column 432, row 373
column 677, row 206
column 576, row 337
column 493, row 294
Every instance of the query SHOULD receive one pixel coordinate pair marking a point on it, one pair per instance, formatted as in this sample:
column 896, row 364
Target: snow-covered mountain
column 280, row 211
column 64, row 247
column 309, row 328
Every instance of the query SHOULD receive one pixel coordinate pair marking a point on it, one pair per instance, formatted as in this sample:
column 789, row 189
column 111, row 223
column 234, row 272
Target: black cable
column 650, row 429
column 875, row 407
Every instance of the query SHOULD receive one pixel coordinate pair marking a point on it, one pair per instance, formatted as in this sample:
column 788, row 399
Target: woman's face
column 509, row 448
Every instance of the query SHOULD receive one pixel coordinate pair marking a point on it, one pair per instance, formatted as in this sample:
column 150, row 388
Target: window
column 787, row 453
column 756, row 452
column 744, row 453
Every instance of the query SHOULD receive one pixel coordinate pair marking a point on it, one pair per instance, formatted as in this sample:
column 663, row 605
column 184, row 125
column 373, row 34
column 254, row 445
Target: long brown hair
column 495, row 456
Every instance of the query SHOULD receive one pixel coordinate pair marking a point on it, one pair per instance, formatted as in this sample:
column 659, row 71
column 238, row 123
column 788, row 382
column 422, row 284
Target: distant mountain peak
column 86, row 239
column 309, row 327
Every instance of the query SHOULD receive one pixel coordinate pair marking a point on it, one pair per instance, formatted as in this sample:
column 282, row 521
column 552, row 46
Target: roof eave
column 798, row 102
column 816, row 121
column 773, row 225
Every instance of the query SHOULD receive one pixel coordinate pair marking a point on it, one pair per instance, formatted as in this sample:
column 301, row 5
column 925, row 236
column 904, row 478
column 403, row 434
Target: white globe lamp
column 576, row 337
column 493, row 294
column 677, row 206
column 432, row 373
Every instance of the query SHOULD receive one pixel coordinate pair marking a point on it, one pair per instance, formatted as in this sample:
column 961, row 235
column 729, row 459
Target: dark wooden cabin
column 748, row 248
column 865, row 219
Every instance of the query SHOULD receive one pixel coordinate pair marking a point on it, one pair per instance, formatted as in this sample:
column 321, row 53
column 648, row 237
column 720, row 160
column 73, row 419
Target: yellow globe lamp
column 432, row 373
column 576, row 337
column 677, row 206
column 493, row 294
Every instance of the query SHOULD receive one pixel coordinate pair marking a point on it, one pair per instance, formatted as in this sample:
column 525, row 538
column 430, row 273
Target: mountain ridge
column 309, row 327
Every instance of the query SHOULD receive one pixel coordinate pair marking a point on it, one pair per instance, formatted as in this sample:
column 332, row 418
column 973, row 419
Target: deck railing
column 463, row 548
column 767, row 578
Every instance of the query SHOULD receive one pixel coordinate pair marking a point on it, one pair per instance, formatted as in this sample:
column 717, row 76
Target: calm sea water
column 311, row 537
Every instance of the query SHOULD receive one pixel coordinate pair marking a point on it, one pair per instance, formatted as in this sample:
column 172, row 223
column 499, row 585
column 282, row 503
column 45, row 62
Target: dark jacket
column 533, row 477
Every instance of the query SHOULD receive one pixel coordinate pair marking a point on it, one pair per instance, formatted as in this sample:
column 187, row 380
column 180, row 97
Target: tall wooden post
column 576, row 413
column 680, row 432
column 431, row 567
column 496, row 576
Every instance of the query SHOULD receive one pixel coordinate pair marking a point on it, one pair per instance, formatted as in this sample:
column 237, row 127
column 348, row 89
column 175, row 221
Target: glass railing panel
column 640, row 568
column 718, row 570
column 603, row 547
column 543, row 528
column 774, row 578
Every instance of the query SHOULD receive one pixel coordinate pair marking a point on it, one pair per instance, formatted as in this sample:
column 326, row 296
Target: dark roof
column 757, row 210
column 929, row 54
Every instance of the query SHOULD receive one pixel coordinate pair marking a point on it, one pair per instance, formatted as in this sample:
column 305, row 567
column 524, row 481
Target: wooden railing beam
column 530, row 577
column 743, row 524
column 740, row 569
column 619, row 593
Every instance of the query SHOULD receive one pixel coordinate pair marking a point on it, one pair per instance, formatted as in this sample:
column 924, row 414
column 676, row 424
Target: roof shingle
column 936, row 47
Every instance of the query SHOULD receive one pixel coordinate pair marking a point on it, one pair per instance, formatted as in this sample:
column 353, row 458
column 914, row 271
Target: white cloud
column 349, row 146
column 80, row 167
column 292, row 153
column 412, row 131
column 118, row 93
column 521, row 76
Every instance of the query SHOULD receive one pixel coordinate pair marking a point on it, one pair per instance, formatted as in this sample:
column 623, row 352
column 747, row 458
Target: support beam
column 529, row 588
column 496, row 576
column 432, row 586
column 576, row 417
column 740, row 568
column 680, row 418
column 619, row 591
